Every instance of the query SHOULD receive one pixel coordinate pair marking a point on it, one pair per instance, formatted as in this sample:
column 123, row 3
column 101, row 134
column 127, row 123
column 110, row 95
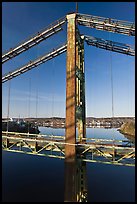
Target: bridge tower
column 75, row 109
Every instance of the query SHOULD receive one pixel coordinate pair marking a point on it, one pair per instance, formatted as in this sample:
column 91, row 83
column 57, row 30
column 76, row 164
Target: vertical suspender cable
column 37, row 90
column 36, row 103
column 53, row 92
column 93, row 99
column 112, row 99
column 112, row 95
column 52, row 99
column 53, row 88
column 36, row 126
column 37, row 87
column 130, row 96
column 29, row 104
column 8, row 106
column 76, row 7
column 111, row 75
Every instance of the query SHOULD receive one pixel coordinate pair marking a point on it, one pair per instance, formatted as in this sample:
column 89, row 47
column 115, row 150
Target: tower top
column 72, row 15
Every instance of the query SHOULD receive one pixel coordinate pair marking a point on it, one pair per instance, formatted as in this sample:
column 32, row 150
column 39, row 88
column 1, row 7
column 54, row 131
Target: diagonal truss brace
column 85, row 150
column 129, row 155
column 34, row 40
column 110, row 45
column 35, row 63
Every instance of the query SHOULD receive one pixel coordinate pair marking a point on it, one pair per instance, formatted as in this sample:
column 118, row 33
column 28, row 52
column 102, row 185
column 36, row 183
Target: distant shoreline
column 91, row 122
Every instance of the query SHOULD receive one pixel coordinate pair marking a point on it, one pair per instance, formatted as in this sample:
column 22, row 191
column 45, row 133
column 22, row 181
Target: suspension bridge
column 75, row 150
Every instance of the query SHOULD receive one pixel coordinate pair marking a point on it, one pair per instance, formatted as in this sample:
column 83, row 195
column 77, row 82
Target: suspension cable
column 93, row 112
column 131, row 73
column 36, row 103
column 112, row 90
column 36, row 126
column 111, row 78
column 8, row 106
column 112, row 100
column 37, row 87
column 29, row 104
column 52, row 95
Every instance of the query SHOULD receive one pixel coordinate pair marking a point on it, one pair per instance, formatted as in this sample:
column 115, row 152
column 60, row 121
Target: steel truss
column 101, row 23
column 97, row 42
column 106, row 24
column 110, row 45
column 100, row 150
column 35, row 63
column 34, row 40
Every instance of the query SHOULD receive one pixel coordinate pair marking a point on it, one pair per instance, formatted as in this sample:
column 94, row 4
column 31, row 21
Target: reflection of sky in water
column 27, row 178
column 32, row 178
column 101, row 133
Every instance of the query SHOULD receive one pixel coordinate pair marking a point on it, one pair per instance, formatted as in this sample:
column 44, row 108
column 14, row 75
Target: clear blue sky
column 22, row 19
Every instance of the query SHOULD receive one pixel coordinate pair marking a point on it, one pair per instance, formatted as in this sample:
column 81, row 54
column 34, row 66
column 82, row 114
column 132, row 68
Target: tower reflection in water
column 75, row 180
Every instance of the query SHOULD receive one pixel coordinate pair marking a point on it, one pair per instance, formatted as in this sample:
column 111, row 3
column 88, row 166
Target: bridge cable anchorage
column 106, row 24
column 35, row 63
column 34, row 40
column 110, row 45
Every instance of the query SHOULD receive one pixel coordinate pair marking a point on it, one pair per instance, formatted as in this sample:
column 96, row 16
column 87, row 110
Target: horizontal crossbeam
column 34, row 40
column 110, row 45
column 35, row 63
column 87, row 140
column 107, row 24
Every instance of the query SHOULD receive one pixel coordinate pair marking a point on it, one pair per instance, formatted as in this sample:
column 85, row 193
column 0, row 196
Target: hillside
column 128, row 128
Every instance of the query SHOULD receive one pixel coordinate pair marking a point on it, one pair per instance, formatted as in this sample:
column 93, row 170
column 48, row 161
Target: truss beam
column 110, row 45
column 59, row 138
column 35, row 63
column 34, row 40
column 107, row 24
column 106, row 152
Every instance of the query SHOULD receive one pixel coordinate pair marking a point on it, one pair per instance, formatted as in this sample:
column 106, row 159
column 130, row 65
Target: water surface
column 27, row 178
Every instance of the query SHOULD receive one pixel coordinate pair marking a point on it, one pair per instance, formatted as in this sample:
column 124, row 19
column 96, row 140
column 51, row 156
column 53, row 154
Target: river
column 27, row 178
